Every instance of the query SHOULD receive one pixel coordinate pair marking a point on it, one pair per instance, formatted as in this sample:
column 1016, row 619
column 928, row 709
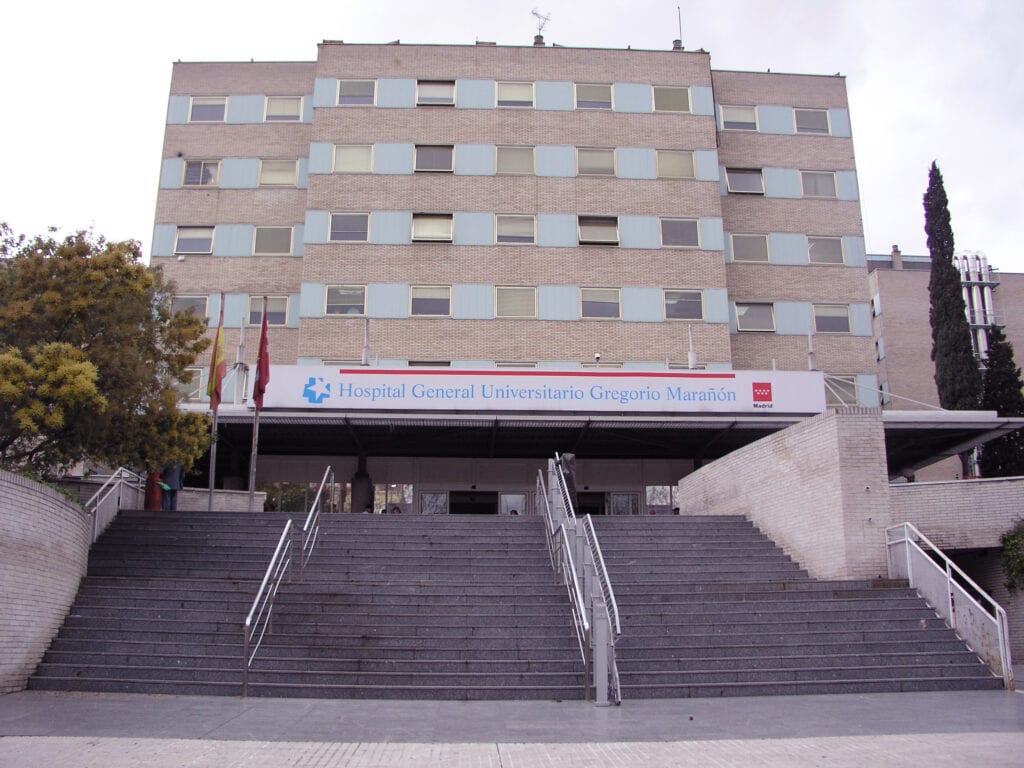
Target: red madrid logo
column 762, row 391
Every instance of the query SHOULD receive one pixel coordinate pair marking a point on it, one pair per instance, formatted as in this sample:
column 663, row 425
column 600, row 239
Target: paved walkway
column 859, row 731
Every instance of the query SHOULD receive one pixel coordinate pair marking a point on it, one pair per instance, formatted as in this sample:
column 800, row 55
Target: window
column 429, row 364
column 675, row 164
column 194, row 240
column 746, row 181
column 353, row 158
column 277, row 310
column 435, row 93
column 432, row 227
column 346, row 300
column 831, row 318
column 278, row 173
column 284, row 109
column 194, row 304
column 595, row 162
column 671, row 98
column 514, row 160
column 434, row 158
column 190, row 386
column 750, row 247
column 357, row 93
column 201, row 173
column 599, row 303
column 515, row 94
column 515, row 301
column 825, row 250
column 841, row 391
column 208, row 109
column 272, row 241
column 818, row 183
column 518, row 229
column 739, row 118
column 683, row 305
column 812, row 121
column 755, row 317
column 350, row 227
column 598, row 230
column 593, row 96
column 680, row 233
column 431, row 300
column 515, row 364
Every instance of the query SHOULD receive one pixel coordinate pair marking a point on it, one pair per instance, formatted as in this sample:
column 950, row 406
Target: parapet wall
column 44, row 548
column 819, row 489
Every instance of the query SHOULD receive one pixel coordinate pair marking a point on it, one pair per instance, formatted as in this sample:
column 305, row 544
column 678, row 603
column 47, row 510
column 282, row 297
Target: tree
column 90, row 354
column 1004, row 456
column 956, row 369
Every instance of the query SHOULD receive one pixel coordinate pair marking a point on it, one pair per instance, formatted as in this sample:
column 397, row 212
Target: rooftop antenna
column 679, row 16
column 542, row 21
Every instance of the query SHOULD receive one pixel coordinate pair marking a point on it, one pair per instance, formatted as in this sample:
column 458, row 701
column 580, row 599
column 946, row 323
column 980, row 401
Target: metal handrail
column 97, row 503
column 257, row 622
column 611, row 607
column 311, row 528
column 958, row 586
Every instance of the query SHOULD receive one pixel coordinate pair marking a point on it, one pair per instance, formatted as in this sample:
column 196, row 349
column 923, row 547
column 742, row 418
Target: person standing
column 171, row 476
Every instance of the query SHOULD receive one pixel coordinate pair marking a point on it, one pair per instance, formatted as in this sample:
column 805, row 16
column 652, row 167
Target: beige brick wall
column 44, row 545
column 753, row 213
column 214, row 141
column 818, row 489
column 752, row 88
column 809, row 153
column 277, row 78
column 260, row 207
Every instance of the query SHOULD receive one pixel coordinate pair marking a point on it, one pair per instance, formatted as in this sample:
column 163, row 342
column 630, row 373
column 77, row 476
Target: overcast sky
column 86, row 89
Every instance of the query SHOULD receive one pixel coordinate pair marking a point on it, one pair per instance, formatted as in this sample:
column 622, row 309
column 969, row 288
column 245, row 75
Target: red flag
column 218, row 363
column 262, row 379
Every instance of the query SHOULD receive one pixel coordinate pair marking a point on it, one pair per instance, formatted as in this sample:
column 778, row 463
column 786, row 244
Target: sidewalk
column 120, row 730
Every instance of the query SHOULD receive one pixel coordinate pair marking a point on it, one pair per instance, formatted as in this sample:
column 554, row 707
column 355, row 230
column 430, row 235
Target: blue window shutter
column 637, row 163
column 643, row 305
column 558, row 302
column 787, row 248
column 473, row 302
column 554, row 95
column 321, row 157
column 474, row 160
column 387, row 300
column 554, row 160
column 391, row 227
column 712, row 234
column 164, row 236
column 245, row 109
column 473, row 228
column 171, row 170
column 706, row 162
column 639, row 232
column 860, row 319
column 474, row 94
column 556, row 230
column 839, row 121
column 318, row 227
column 702, row 100
column 239, row 173
column 325, row 92
column 782, row 182
column 847, row 185
column 396, row 92
column 793, row 318
column 233, row 240
column 854, row 251
column 393, row 158
column 867, row 390
column 236, row 309
column 775, row 119
column 632, row 97
column 177, row 110
column 716, row 305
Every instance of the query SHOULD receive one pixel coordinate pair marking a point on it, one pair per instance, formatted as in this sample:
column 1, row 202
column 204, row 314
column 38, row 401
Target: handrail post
column 600, row 642
column 952, row 600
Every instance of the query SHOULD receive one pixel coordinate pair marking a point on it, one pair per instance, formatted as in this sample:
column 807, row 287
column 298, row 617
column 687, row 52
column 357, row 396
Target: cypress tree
column 1002, row 392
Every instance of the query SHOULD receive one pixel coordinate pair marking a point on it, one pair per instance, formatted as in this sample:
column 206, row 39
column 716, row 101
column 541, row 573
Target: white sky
column 86, row 89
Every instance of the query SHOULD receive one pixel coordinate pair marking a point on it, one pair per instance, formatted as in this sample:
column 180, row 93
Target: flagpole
column 259, row 386
column 213, row 388
column 252, row 458
column 213, row 461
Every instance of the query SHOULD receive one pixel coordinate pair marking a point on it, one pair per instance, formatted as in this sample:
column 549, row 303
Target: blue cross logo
column 317, row 390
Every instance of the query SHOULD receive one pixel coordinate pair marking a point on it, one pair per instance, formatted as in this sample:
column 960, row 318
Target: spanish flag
column 218, row 363
column 262, row 379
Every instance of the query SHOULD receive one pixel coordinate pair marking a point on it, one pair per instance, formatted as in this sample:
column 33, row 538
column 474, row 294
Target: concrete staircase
column 391, row 607
column 711, row 607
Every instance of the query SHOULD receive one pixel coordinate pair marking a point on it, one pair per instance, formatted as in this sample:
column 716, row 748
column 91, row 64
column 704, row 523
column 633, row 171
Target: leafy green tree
column 1002, row 392
column 81, row 312
column 957, row 375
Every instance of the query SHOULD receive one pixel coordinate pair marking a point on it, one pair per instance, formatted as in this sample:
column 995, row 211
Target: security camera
column 597, row 357
column 181, row 257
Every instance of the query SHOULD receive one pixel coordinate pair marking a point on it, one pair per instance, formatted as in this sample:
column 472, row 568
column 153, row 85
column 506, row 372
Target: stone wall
column 44, row 547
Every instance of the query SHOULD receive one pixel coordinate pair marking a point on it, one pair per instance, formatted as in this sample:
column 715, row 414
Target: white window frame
column 203, row 164
column 519, row 149
column 255, row 316
column 744, row 173
column 767, row 248
column 288, row 117
column 193, row 391
column 739, row 315
column 412, row 299
column 835, row 184
column 700, row 298
column 668, row 219
column 739, row 125
column 611, row 96
column 373, row 101
column 683, row 88
column 425, row 237
column 837, row 385
column 256, row 237
column 832, row 311
column 428, row 147
column 295, row 171
column 421, row 99
column 369, row 152
column 602, row 223
column 515, row 103
column 193, row 103
column 662, row 156
column 205, row 252
column 608, row 291
column 600, row 153
column 824, row 238
column 192, row 304
column 327, row 302
column 510, row 219
column 499, row 289
column 515, row 364
column 813, row 132
column 330, row 230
